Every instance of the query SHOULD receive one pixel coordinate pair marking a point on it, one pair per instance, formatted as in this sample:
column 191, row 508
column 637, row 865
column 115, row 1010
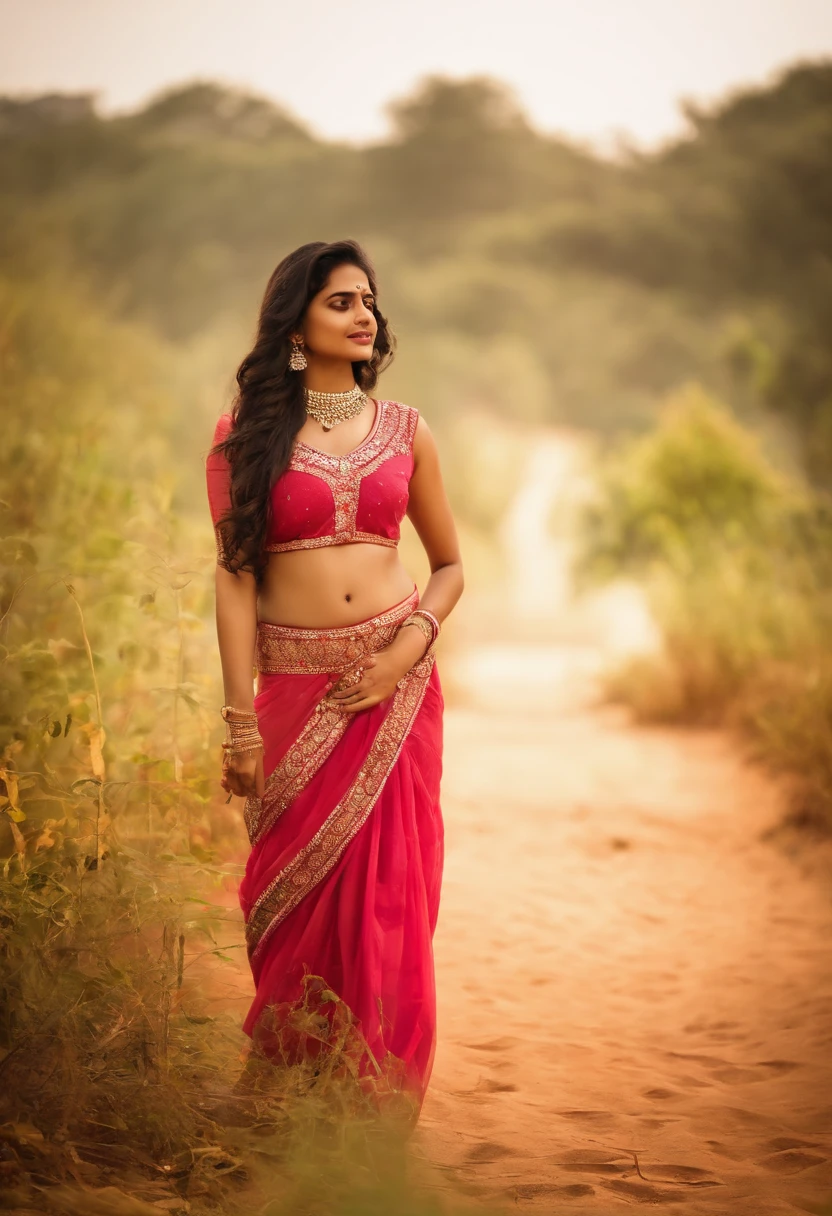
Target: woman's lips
column 362, row 339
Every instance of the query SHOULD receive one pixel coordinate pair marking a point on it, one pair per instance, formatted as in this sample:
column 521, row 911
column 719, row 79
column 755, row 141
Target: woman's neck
column 329, row 377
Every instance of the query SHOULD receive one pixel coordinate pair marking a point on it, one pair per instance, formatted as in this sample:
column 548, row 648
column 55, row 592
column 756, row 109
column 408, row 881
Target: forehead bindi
column 334, row 292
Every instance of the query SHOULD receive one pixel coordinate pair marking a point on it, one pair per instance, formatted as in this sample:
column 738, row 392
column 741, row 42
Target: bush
column 738, row 563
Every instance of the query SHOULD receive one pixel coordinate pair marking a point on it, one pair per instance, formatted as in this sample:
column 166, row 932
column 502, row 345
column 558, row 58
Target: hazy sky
column 590, row 68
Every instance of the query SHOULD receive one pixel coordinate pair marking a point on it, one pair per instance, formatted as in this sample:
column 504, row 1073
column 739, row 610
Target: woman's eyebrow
column 332, row 295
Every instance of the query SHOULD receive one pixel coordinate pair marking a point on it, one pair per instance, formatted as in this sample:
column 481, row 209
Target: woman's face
column 339, row 324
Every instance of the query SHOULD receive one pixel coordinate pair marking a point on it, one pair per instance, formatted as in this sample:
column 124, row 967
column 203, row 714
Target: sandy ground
column 635, row 989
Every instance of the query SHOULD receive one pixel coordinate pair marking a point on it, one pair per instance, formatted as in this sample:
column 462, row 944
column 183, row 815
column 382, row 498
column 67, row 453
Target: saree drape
column 343, row 878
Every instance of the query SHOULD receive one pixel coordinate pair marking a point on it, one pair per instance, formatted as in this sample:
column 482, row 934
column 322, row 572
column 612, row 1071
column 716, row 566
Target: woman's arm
column 237, row 634
column 236, row 608
column 430, row 513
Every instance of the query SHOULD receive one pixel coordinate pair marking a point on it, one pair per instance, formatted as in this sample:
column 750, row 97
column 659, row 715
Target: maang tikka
column 297, row 359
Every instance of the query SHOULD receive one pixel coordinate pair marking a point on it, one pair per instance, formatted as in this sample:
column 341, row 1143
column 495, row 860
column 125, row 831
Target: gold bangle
column 237, row 749
column 243, row 731
column 423, row 626
column 432, row 620
column 427, row 621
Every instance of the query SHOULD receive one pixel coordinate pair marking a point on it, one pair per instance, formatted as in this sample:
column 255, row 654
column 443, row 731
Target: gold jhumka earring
column 297, row 359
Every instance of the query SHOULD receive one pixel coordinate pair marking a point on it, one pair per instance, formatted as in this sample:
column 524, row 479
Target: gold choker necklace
column 331, row 408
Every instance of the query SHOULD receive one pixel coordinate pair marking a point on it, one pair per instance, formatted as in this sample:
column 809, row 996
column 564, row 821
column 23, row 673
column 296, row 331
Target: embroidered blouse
column 321, row 499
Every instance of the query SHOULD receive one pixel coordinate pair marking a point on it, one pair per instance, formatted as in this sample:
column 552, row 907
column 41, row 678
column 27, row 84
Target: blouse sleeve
column 218, row 477
column 412, row 422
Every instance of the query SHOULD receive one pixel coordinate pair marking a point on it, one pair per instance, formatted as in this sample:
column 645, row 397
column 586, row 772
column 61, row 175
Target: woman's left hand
column 380, row 673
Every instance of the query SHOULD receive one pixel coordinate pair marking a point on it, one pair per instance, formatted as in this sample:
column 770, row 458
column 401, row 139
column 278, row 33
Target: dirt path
column 635, row 990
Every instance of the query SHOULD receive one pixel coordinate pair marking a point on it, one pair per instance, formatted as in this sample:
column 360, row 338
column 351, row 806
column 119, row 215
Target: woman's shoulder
column 402, row 406
column 406, row 416
column 223, row 428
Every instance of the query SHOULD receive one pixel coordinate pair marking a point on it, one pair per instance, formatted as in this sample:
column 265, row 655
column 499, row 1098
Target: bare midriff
column 333, row 585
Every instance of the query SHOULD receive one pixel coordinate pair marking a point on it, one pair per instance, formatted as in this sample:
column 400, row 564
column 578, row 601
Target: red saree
column 347, row 843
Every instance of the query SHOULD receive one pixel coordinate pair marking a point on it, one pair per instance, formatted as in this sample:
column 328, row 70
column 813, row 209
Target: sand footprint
column 791, row 1161
column 643, row 1192
column 505, row 1043
column 691, row 1175
column 662, row 1183
column 698, row 1058
column 537, row 1190
column 591, row 1117
column 487, row 1151
column 780, row 1066
column 780, row 1143
column 595, row 1161
column 486, row 1085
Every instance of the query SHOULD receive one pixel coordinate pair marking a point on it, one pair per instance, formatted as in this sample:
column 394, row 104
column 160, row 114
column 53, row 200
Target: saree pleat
column 344, row 874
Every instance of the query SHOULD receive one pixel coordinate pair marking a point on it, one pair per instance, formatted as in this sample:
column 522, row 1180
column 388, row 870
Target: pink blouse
column 322, row 499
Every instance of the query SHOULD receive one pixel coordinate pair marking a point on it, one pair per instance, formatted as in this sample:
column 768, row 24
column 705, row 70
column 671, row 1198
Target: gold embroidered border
column 399, row 444
column 321, row 732
column 343, row 474
column 321, row 542
column 394, row 431
column 297, row 650
column 324, row 850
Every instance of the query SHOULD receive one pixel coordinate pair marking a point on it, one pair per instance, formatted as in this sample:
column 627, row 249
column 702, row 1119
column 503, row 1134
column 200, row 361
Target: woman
column 339, row 755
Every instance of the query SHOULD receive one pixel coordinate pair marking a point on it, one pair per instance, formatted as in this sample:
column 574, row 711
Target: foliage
column 736, row 556
column 699, row 480
column 708, row 259
column 104, row 782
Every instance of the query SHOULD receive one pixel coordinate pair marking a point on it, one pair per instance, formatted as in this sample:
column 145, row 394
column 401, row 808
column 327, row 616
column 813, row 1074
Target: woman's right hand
column 243, row 775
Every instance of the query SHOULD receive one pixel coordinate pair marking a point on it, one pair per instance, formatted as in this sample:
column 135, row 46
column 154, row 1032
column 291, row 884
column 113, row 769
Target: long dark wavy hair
column 268, row 409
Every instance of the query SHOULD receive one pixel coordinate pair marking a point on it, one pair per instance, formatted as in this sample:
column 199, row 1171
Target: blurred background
column 603, row 236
